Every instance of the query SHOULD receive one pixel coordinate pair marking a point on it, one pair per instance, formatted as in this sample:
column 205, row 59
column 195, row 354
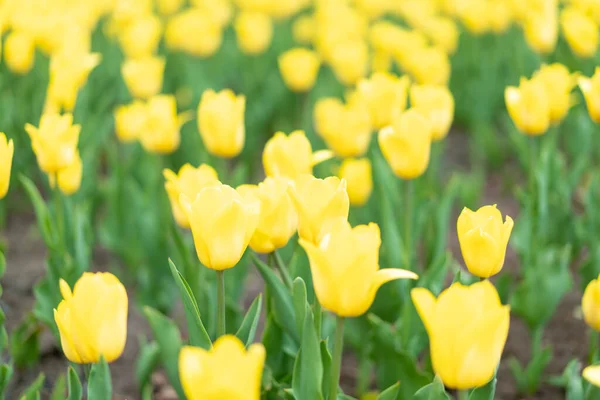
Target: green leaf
column 41, row 210
column 60, row 386
column 198, row 335
column 326, row 357
column 433, row 391
column 146, row 362
column 247, row 330
column 307, row 380
column 2, row 264
column 74, row 385
column 24, row 342
column 33, row 391
column 169, row 341
column 6, row 372
column 486, row 392
column 390, row 393
column 299, row 296
column 99, row 382
column 574, row 381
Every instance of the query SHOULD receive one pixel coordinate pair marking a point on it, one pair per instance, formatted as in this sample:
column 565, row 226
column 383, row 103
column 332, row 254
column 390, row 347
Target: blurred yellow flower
column 590, row 87
column 373, row 9
column 359, row 180
column 406, row 144
column 144, row 76
column 467, row 328
column 442, row 32
column 69, row 178
column 558, row 82
column 529, row 106
column 278, row 218
column 227, row 371
column 327, row 115
column 483, row 239
column 581, row 32
column 500, row 15
column 590, row 304
column 299, row 69
column 385, row 95
column 97, row 304
column 254, row 32
column 130, row 120
column 141, row 36
column 19, row 52
column 437, row 104
column 222, row 223
column 220, row 11
column 592, row 374
column 194, row 31
column 189, row 182
column 318, row 200
column 303, row 29
column 350, row 61
column 161, row 131
column 168, row 7
column 384, row 36
column 474, row 15
column 541, row 29
column 7, row 151
column 381, row 62
column 221, row 122
column 344, row 263
column 429, row 65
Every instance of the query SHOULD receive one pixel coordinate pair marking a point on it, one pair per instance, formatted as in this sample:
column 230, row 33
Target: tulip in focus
column 483, row 239
column 221, row 122
column 385, row 95
column 590, row 304
column 344, row 263
column 299, row 69
column 195, row 32
column 161, row 131
column 222, row 223
column 130, row 120
column 254, row 32
column 97, row 305
column 350, row 61
column 7, row 151
column 19, row 52
column 558, row 82
column 227, row 371
column 529, row 106
column 143, row 77
column 437, row 104
column 581, row 32
column 358, row 175
column 141, row 37
column 590, row 87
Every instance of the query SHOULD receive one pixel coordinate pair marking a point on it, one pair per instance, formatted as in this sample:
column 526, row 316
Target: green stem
column 318, row 312
column 338, row 347
column 221, row 327
column 408, row 209
column 533, row 199
column 593, row 345
column 58, row 215
column 463, row 395
column 285, row 275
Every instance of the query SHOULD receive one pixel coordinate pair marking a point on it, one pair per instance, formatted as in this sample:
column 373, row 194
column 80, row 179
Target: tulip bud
column 350, row 61
column 437, row 105
column 7, row 151
column 558, row 83
column 359, row 178
column 344, row 264
column 483, row 239
column 97, row 304
column 195, row 32
column 254, row 32
column 19, row 52
column 590, row 304
column 221, row 122
column 130, row 120
column 69, row 178
column 299, row 69
column 161, row 132
column 590, row 87
column 209, row 374
column 462, row 323
column 144, row 77
column 385, row 95
column 581, row 32
column 140, row 38
column 529, row 106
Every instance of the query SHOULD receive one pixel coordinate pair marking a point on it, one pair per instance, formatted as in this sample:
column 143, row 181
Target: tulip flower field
column 299, row 199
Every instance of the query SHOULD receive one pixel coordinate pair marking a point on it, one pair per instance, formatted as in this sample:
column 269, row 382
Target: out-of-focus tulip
column 381, row 62
column 411, row 42
column 590, row 87
column 168, row 7
column 373, row 9
column 303, row 29
column 189, row 182
column 227, row 371
column 385, row 95
column 299, row 69
column 54, row 142
column 500, row 15
column 19, row 52
column 474, row 15
column 581, row 32
column 69, row 178
column 327, row 115
column 529, row 106
column 437, row 104
column 590, row 304
column 130, row 120
column 483, row 239
column 385, row 35
column 344, row 263
column 140, row 38
column 144, row 76
column 558, row 82
column 278, row 218
column 7, row 151
column 161, row 131
column 317, row 201
column 195, row 32
column 220, row 11
column 406, row 144
column 97, row 304
column 592, row 374
column 350, row 61
column 254, row 32
column 467, row 328
column 541, row 30
column 221, row 122
column 429, row 65
column 359, row 180
column 443, row 33
column 222, row 223
column 291, row 156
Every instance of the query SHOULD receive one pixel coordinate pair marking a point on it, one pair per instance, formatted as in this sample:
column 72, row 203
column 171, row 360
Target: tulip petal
column 192, row 370
column 592, row 374
column 424, row 302
column 320, row 156
column 322, row 275
column 64, row 329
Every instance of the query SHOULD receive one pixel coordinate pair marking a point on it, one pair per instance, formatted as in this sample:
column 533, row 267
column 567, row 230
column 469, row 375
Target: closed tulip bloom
column 541, row 30
column 19, row 52
column 483, row 239
column 144, row 77
column 254, row 32
column 590, row 304
column 221, row 122
column 350, row 61
column 344, row 264
column 590, row 87
column 317, row 201
column 222, row 223
column 278, row 218
column 69, row 178
column 194, row 31
column 406, row 144
column 161, row 132
column 54, row 142
column 7, row 151
column 437, row 104
column 359, row 180
column 97, row 305
column 581, row 32
column 189, row 182
column 350, row 136
column 558, row 82
column 140, row 38
column 327, row 115
column 385, row 95
column 467, row 328
column 130, row 120
column 227, row 371
column 529, row 106
column 299, row 69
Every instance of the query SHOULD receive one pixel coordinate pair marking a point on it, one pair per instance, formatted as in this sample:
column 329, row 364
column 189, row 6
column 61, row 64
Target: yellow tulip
column 474, row 15
column 429, row 65
column 590, row 304
column 140, row 38
column 130, row 120
column 541, row 30
column 189, row 182
column 344, row 263
column 299, row 69
column 529, row 106
column 327, row 115
column 227, row 371
column 97, row 305
column 19, row 52
column 558, row 83
column 221, row 122
column 437, row 104
column 69, row 178
column 359, row 179
column 406, row 144
column 143, row 77
column 161, row 131
column 54, row 142
column 500, row 15
column 411, row 43
column 590, row 87
column 373, row 9
column 194, row 31
column 442, row 32
column 303, row 29
column 350, row 61
column 169, row 7
column 222, row 223
column 385, row 95
column 278, row 218
column 381, row 62
column 7, row 151
column 317, row 201
column 254, row 32
column 384, row 36
column 291, row 156
column 467, row 328
column 581, row 32
column 592, row 374
column 220, row 11
column 483, row 239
